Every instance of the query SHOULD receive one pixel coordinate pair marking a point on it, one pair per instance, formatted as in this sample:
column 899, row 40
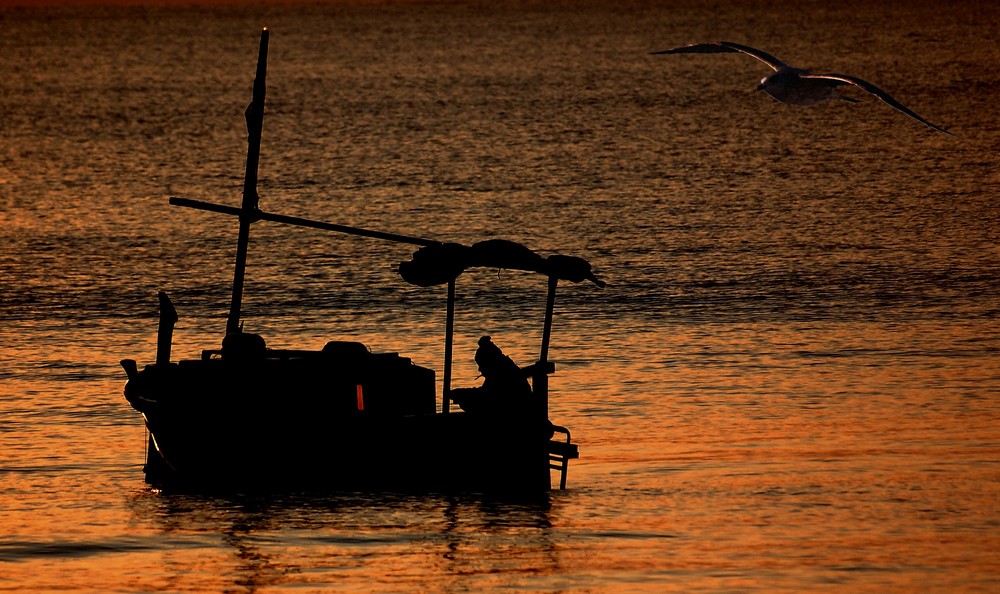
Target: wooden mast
column 248, row 213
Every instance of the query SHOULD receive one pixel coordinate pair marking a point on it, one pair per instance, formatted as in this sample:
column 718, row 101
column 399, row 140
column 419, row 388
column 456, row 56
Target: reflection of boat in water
column 459, row 535
column 245, row 415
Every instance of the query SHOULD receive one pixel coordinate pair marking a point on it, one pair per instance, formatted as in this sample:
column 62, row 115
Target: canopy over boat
column 444, row 262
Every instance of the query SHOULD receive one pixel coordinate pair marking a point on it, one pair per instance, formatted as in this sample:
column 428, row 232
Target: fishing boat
column 244, row 415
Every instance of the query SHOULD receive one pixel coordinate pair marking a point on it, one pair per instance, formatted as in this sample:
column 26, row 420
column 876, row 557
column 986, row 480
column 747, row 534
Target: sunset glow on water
column 789, row 384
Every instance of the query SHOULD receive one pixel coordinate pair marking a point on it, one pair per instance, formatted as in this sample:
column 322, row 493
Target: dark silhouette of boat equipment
column 247, row 416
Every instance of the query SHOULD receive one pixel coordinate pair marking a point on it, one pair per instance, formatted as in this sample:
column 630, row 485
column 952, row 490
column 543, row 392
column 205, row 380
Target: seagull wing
column 885, row 97
column 727, row 47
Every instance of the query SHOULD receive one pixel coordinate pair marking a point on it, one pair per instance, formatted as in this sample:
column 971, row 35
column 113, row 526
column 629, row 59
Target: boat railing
column 561, row 452
column 547, row 367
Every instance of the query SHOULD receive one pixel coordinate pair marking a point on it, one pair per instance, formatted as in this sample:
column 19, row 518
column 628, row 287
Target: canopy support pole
column 449, row 339
column 540, row 381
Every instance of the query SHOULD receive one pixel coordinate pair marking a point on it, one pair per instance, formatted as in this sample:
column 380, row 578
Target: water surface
column 790, row 383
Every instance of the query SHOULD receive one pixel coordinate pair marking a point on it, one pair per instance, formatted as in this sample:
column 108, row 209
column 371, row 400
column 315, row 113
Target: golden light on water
column 789, row 383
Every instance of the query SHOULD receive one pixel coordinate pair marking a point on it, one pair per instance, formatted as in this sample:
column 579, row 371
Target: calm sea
column 791, row 382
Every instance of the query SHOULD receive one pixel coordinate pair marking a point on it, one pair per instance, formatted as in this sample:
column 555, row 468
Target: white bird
column 795, row 85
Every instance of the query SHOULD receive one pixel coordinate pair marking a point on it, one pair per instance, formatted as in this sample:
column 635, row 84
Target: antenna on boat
column 248, row 212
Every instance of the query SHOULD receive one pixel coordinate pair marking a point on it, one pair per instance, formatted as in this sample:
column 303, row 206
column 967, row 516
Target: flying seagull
column 795, row 85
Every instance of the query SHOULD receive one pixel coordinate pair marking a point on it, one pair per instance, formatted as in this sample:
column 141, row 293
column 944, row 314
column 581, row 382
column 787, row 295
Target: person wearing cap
column 505, row 389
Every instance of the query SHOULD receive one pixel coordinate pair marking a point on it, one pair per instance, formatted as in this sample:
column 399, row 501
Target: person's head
column 488, row 356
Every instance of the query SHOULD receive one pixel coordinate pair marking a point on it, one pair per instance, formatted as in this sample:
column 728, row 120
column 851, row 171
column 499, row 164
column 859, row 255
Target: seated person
column 505, row 388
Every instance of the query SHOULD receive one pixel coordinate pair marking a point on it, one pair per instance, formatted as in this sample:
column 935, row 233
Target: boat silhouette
column 245, row 416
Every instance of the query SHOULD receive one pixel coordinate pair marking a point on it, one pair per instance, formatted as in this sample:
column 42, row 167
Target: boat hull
column 341, row 418
column 440, row 452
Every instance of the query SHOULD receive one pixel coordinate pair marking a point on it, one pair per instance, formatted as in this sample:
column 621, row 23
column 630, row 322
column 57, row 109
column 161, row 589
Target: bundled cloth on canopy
column 441, row 263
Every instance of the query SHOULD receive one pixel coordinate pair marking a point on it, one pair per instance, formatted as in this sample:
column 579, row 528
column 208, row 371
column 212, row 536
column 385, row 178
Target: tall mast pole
column 255, row 123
